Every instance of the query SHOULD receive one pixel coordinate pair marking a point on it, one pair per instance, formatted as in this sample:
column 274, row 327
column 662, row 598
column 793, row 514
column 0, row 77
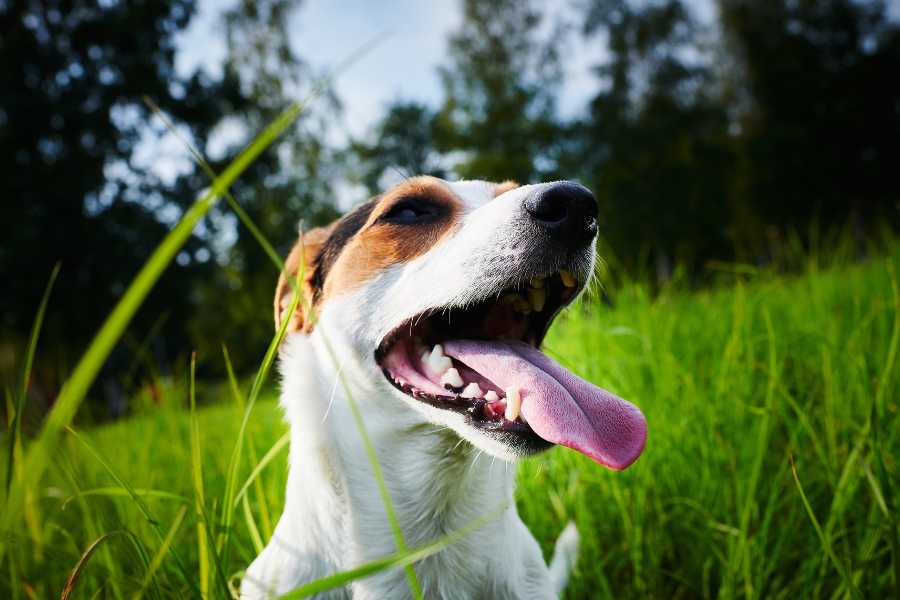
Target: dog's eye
column 410, row 211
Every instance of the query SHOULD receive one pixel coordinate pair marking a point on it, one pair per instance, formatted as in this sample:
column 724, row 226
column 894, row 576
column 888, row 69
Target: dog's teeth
column 452, row 378
column 438, row 361
column 567, row 278
column 537, row 282
column 513, row 299
column 513, row 403
column 537, row 298
column 491, row 396
column 426, row 357
column 472, row 390
column 522, row 305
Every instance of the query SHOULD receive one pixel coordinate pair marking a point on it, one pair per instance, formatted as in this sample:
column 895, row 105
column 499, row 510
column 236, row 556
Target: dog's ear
column 305, row 255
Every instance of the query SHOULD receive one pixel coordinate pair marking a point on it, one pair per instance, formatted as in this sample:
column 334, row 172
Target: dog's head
column 448, row 289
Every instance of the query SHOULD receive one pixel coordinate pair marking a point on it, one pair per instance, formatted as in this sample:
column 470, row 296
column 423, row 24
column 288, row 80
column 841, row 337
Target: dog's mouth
column 483, row 362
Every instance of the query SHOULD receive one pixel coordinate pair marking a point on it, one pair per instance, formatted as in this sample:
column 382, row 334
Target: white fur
column 441, row 473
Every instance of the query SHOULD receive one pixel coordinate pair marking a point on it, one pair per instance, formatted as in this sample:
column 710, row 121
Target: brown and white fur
column 366, row 275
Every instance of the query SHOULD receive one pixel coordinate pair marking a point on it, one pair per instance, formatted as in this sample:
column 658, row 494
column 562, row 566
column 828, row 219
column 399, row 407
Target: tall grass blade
column 885, row 499
column 251, row 525
column 197, row 473
column 848, row 583
column 145, row 563
column 122, row 492
column 401, row 559
column 228, row 502
column 82, row 562
column 254, row 461
column 15, row 428
column 277, row 447
column 154, row 524
column 161, row 554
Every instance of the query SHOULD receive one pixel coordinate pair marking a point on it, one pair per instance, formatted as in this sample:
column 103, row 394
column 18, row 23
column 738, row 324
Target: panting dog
column 428, row 305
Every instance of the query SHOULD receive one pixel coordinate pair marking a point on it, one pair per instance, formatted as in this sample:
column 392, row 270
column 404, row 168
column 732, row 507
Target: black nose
column 566, row 211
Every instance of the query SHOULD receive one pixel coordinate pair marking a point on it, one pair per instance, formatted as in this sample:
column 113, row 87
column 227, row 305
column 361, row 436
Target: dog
column 427, row 305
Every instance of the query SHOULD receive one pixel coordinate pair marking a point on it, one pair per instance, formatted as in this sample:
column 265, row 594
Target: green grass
column 733, row 382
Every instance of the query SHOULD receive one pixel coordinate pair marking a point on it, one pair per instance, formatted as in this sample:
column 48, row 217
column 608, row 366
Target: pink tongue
column 560, row 407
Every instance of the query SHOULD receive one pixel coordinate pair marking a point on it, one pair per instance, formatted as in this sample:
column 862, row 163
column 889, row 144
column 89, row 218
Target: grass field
column 733, row 381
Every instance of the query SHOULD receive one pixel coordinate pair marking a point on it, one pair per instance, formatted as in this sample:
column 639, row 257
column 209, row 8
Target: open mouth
column 483, row 363
column 414, row 360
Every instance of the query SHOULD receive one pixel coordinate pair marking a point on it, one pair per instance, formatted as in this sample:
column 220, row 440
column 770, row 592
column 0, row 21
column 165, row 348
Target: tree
column 823, row 133
column 655, row 147
column 498, row 108
column 71, row 113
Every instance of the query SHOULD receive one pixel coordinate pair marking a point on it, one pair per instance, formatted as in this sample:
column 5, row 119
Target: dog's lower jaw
column 334, row 518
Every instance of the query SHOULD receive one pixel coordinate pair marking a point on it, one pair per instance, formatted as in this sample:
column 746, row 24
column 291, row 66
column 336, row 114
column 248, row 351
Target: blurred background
column 711, row 132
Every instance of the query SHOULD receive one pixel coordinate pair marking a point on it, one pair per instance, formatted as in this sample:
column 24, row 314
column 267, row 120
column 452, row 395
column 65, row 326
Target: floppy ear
column 304, row 255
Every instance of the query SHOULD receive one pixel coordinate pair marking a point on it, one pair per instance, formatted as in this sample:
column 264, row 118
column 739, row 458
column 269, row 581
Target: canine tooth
column 522, row 304
column 426, row 357
column 537, row 282
column 472, row 390
column 567, row 278
column 438, row 361
column 452, row 378
column 513, row 403
column 491, row 396
column 537, row 298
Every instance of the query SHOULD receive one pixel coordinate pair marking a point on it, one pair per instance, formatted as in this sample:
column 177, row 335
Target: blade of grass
column 251, row 525
column 154, row 524
column 848, row 583
column 254, row 461
column 228, row 501
column 82, row 562
column 16, row 426
column 885, row 499
column 197, row 473
column 145, row 563
column 161, row 554
column 401, row 559
column 118, row 491
column 272, row 453
column 750, row 500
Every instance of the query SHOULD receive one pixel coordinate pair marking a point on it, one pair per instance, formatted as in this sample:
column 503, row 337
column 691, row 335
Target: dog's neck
column 437, row 482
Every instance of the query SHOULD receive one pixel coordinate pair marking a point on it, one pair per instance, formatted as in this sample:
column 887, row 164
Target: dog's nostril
column 548, row 207
column 564, row 210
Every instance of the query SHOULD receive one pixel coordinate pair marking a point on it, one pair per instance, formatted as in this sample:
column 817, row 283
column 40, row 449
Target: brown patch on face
column 307, row 250
column 387, row 239
column 502, row 188
column 343, row 256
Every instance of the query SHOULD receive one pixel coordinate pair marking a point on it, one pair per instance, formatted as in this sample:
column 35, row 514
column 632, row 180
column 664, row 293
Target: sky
column 404, row 66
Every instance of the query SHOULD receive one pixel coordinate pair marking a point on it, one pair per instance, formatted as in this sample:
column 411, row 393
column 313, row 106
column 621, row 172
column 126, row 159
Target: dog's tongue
column 559, row 407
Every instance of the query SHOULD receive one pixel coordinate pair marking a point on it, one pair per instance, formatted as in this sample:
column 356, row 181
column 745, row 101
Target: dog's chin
column 451, row 393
